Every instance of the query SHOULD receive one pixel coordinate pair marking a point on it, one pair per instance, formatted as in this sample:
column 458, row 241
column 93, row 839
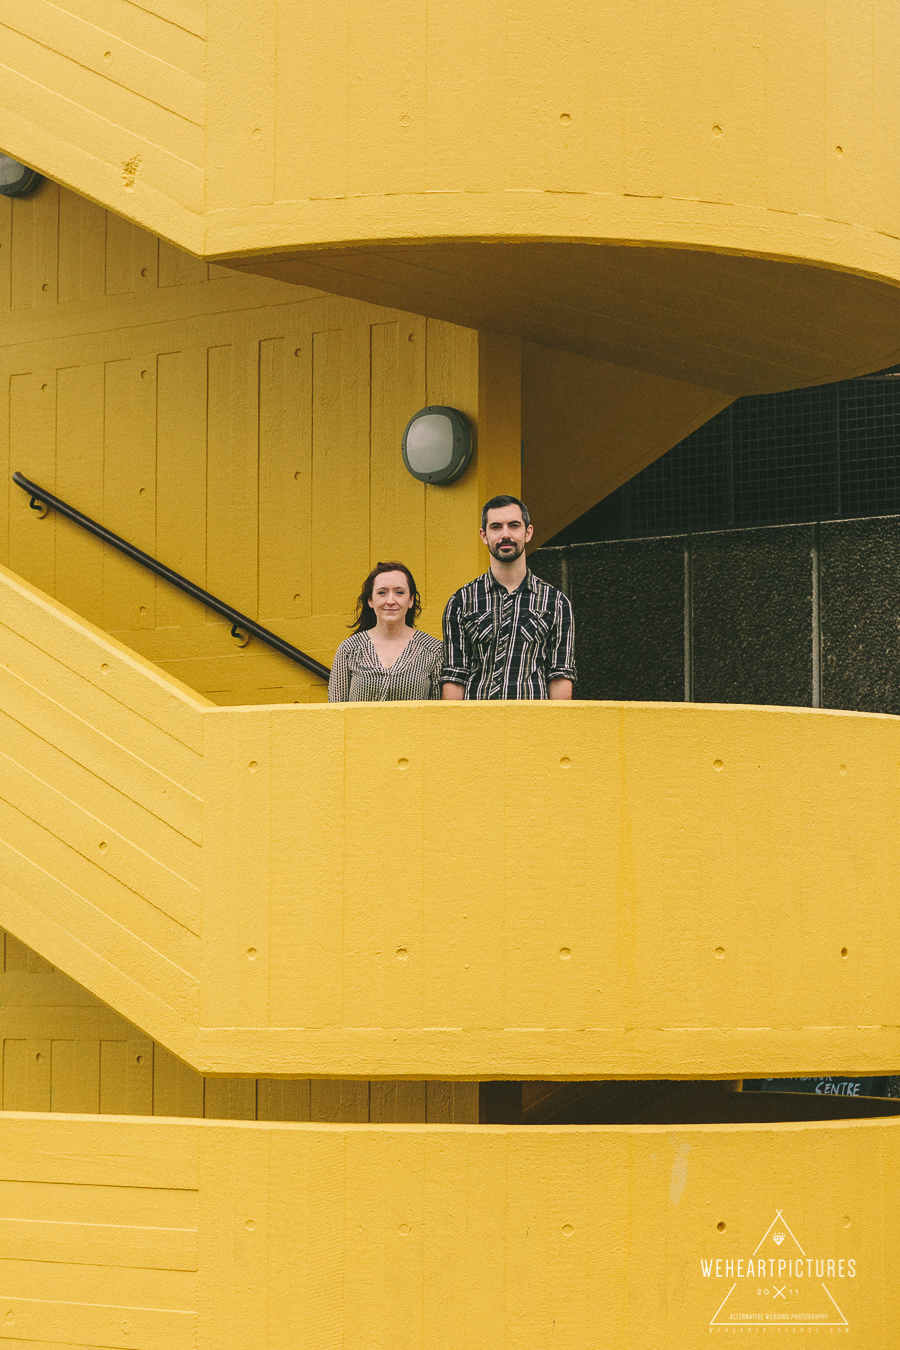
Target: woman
column 387, row 657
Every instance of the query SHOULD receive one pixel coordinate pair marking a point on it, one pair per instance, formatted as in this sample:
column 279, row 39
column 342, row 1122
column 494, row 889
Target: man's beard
column 510, row 555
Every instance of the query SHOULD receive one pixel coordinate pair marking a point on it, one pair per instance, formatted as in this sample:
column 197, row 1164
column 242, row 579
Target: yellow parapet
column 535, row 171
column 506, row 890
column 165, row 1234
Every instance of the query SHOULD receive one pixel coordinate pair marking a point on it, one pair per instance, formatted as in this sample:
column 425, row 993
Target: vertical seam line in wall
column 688, row 619
column 564, row 582
column 259, row 465
column 206, row 481
column 371, row 328
column 816, row 560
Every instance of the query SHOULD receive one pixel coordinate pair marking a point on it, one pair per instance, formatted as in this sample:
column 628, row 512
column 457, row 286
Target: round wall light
column 437, row 445
column 17, row 180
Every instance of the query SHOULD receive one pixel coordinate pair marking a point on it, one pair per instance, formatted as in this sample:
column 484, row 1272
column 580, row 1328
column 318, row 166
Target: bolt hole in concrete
column 565, row 953
column 402, row 953
column 718, row 765
column 565, row 762
column 405, row 1230
column 39, row 1057
column 251, row 953
column 568, row 1230
column 720, row 1227
column 720, row 953
column 845, row 952
column 565, row 118
column 103, row 846
column 402, row 763
column 250, row 1226
column 842, row 770
column 253, row 766
column 104, row 667
column 139, row 1059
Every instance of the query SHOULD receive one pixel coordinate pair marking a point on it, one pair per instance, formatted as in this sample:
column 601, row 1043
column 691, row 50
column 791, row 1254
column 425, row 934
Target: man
column 508, row 634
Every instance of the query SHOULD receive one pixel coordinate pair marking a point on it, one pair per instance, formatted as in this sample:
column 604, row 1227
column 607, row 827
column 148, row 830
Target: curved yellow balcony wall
column 443, row 891
column 465, row 161
column 166, row 1234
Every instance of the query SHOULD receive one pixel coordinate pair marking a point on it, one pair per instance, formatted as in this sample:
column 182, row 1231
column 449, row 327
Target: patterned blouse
column 358, row 676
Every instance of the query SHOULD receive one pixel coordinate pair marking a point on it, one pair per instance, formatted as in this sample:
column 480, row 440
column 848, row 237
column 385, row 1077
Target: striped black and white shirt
column 358, row 676
column 502, row 644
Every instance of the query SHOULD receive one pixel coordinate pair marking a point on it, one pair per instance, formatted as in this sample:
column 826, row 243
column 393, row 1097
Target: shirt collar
column 526, row 585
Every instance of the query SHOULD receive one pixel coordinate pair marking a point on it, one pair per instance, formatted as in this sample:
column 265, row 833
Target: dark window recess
column 769, row 459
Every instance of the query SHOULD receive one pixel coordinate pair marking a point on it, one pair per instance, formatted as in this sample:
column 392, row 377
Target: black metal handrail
column 238, row 620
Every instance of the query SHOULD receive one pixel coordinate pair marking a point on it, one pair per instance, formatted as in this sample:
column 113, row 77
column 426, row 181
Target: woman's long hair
column 365, row 617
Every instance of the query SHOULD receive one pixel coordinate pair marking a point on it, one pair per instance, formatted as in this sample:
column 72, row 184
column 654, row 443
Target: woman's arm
column 339, row 679
column 437, row 666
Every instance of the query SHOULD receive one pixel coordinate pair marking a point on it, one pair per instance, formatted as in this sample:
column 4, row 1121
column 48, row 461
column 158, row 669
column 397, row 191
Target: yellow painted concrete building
column 268, row 964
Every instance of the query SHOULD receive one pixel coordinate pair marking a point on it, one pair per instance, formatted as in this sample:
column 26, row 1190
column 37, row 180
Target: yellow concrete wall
column 107, row 94
column 617, row 890
column 101, row 809
column 378, row 121
column 449, row 891
column 166, row 1234
column 62, row 1050
column 245, row 432
column 606, row 120
column 374, row 148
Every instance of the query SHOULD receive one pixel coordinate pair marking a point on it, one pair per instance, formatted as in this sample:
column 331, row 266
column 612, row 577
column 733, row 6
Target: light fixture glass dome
column 429, row 443
column 437, row 445
column 17, row 180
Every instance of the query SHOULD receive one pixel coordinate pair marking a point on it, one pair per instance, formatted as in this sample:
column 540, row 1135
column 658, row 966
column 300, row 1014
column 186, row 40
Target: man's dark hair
column 496, row 502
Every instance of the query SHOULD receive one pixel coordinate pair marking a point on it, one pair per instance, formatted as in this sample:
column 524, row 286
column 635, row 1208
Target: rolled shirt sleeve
column 561, row 642
column 457, row 665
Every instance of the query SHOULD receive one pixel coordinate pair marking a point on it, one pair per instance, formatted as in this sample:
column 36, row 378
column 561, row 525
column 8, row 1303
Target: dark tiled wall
column 860, row 584
column 630, row 612
column 752, row 616
column 752, row 608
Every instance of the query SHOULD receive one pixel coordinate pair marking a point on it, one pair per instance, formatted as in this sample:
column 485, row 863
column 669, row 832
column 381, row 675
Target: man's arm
column 456, row 653
column 556, row 689
column 561, row 653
